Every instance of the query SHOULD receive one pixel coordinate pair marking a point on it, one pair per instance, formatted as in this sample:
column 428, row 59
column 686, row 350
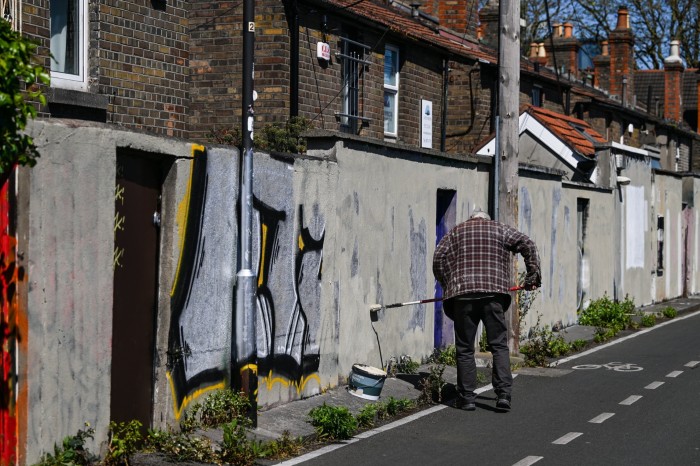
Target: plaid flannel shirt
column 475, row 257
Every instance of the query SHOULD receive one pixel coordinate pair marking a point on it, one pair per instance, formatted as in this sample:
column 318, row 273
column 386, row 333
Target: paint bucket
column 366, row 381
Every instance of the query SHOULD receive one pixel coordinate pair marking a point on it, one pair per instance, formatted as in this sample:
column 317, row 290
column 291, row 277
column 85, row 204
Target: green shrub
column 404, row 365
column 446, row 356
column 72, row 451
column 220, row 407
column 648, row 320
column 606, row 313
column 333, row 422
column 543, row 345
column 180, row 447
column 124, row 440
column 236, row 448
column 669, row 312
column 21, row 79
column 433, row 385
column 275, row 137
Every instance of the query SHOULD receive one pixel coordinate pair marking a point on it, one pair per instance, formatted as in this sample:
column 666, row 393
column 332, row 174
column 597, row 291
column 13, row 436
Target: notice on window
column 426, row 136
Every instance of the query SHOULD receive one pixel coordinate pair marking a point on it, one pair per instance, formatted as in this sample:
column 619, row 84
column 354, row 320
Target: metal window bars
column 11, row 11
column 353, row 58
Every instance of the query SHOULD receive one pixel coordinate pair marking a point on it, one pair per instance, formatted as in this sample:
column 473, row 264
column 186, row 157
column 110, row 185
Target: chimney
column 488, row 17
column 565, row 49
column 673, row 84
column 601, row 68
column 622, row 58
column 461, row 16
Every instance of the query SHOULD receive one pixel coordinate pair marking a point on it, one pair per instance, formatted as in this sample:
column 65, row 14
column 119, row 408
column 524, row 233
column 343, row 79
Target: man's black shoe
column 465, row 405
column 503, row 403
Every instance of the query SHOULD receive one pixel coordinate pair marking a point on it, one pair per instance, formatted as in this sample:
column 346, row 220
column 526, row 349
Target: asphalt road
column 636, row 402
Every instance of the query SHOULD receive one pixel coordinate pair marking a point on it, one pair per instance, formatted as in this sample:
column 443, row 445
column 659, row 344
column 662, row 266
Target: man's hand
column 532, row 282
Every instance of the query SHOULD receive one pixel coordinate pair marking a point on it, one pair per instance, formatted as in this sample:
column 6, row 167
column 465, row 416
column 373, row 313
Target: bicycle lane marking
column 620, row 340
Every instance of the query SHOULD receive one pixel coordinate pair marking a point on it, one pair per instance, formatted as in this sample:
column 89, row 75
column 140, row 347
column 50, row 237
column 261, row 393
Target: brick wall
column 469, row 106
column 216, row 62
column 137, row 57
column 143, row 64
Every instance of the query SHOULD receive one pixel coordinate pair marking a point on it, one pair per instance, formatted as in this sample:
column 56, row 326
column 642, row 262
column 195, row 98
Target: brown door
column 136, row 223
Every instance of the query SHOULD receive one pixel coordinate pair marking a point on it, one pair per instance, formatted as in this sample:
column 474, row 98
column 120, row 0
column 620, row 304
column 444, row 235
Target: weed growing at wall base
column 333, row 422
column 72, row 450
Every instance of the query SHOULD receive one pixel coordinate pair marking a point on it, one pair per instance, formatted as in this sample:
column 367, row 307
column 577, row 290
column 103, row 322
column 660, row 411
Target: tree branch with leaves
column 19, row 89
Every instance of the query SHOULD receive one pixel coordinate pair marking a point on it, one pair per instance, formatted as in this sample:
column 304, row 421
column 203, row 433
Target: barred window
column 354, row 61
column 12, row 12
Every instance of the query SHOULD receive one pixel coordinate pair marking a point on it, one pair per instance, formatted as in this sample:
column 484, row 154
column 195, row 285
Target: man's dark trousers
column 468, row 311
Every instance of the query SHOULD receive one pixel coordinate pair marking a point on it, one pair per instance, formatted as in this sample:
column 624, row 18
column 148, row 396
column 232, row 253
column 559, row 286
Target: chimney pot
column 533, row 49
column 568, row 30
column 604, row 48
column 623, row 18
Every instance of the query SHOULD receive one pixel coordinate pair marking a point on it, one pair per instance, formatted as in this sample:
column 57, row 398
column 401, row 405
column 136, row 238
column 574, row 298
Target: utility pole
column 245, row 369
column 507, row 131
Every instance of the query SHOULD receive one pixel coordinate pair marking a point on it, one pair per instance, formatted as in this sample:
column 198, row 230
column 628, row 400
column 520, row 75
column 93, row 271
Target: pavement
column 293, row 417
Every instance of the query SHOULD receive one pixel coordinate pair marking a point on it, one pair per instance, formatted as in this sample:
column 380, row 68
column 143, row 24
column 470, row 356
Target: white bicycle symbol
column 615, row 366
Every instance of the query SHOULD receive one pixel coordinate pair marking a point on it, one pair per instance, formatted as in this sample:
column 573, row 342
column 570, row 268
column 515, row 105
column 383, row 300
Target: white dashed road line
column 567, row 438
column 601, row 418
column 674, row 374
column 629, row 400
column 692, row 364
column 654, row 385
column 528, row 460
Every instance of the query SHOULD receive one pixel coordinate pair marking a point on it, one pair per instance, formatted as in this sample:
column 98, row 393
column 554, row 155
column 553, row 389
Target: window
column 391, row 90
column 537, row 96
column 354, row 63
column 68, row 43
column 12, row 12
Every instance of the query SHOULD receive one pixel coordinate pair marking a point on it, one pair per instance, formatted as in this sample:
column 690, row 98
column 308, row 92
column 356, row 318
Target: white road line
column 615, row 342
column 674, row 374
column 528, row 460
column 601, row 418
column 370, row 433
column 654, row 385
column 628, row 401
column 567, row 438
column 692, row 364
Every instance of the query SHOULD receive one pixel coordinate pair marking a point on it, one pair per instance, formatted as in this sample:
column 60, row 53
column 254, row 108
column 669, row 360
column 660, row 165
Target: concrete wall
column 385, row 224
column 68, row 198
column 573, row 271
column 348, row 225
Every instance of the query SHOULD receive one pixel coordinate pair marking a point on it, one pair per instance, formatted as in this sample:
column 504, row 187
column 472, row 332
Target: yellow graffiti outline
column 263, row 241
column 270, row 381
column 189, row 398
column 183, row 212
column 301, row 243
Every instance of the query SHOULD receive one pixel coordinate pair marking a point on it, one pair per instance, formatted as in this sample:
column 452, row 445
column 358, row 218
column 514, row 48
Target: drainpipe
column 445, row 83
column 245, row 371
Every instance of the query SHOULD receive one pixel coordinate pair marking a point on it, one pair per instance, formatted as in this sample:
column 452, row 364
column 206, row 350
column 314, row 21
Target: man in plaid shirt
column 473, row 263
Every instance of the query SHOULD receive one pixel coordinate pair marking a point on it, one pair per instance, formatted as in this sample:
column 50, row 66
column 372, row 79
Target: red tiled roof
column 405, row 25
column 563, row 127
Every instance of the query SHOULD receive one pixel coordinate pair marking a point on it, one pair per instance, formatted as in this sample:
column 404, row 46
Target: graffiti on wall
column 202, row 296
column 10, row 275
column 288, row 253
column 288, row 244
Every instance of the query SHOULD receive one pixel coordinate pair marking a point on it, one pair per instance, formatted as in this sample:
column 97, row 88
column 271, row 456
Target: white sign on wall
column 426, row 131
column 323, row 51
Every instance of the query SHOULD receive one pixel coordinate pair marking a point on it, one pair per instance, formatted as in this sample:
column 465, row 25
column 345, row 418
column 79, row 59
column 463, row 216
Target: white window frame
column 76, row 81
column 393, row 89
